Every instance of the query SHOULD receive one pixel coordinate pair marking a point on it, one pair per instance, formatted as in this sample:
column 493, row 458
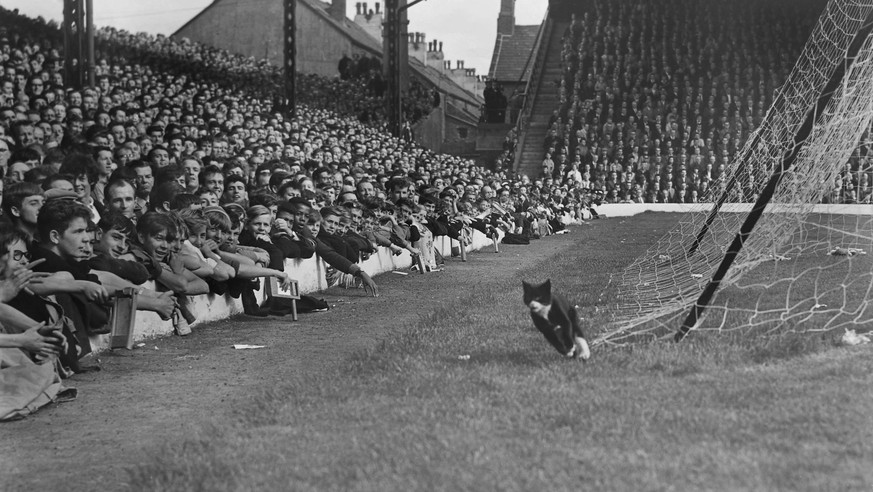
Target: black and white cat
column 556, row 320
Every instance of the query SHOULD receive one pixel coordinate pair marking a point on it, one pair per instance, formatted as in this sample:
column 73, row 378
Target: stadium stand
column 647, row 102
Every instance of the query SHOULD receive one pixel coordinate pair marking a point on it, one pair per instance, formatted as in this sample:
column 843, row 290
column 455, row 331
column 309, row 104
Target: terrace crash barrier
column 310, row 274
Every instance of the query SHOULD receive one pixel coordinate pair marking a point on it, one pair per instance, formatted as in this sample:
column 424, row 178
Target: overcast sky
column 466, row 27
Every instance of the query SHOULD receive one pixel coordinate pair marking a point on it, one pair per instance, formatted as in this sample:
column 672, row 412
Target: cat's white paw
column 582, row 350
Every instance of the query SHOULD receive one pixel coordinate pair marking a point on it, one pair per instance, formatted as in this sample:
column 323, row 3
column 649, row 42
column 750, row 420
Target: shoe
column 180, row 325
column 250, row 304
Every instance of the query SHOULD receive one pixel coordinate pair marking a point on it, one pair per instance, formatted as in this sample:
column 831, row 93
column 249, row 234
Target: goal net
column 804, row 267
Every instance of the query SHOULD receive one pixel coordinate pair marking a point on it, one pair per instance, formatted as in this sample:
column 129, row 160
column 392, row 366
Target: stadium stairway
column 545, row 103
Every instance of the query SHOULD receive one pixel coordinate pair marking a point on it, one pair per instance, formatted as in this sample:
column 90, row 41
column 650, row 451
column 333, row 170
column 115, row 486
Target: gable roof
column 194, row 19
column 512, row 59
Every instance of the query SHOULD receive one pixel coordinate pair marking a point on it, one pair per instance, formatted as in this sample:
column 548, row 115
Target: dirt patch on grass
column 174, row 388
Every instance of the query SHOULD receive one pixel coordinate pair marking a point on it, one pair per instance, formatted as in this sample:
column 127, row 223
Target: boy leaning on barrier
column 354, row 219
column 157, row 237
column 328, row 254
column 199, row 252
column 117, row 269
column 284, row 236
column 248, row 262
column 331, row 218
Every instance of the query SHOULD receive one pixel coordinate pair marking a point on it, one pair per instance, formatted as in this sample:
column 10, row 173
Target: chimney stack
column 506, row 19
column 368, row 20
column 338, row 10
column 434, row 58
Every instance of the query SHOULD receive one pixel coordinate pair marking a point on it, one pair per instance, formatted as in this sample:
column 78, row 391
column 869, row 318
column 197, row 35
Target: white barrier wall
column 311, row 277
column 629, row 209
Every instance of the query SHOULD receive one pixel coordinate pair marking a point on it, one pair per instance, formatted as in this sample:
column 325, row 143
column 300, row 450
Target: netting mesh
column 789, row 280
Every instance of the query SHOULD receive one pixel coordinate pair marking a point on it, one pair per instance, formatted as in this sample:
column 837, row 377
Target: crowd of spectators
column 657, row 98
column 203, row 186
column 356, row 92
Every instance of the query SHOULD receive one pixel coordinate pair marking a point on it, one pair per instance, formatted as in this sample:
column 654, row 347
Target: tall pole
column 79, row 60
column 72, row 43
column 89, row 34
column 291, row 57
column 396, row 60
column 767, row 193
column 392, row 61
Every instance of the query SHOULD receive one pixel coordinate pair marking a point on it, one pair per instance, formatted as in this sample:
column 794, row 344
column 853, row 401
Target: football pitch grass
column 471, row 397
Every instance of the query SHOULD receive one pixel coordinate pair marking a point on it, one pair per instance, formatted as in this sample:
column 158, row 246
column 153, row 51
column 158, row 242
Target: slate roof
column 512, row 59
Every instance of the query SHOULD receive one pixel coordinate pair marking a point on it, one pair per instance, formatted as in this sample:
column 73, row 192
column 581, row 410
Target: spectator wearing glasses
column 28, row 348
